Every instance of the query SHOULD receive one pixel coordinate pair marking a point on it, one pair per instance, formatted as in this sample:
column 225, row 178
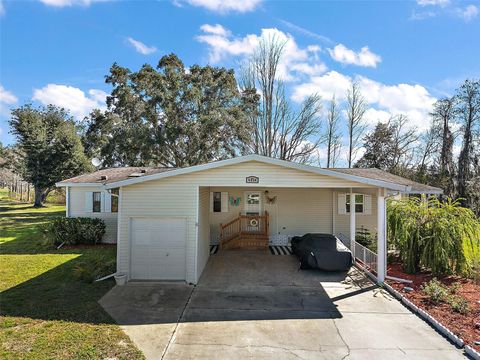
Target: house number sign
column 252, row 180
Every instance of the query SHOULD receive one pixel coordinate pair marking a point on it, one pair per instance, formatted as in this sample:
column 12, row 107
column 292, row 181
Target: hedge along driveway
column 44, row 311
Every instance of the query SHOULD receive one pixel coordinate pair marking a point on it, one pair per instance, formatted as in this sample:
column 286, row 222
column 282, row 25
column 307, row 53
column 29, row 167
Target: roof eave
column 72, row 184
column 426, row 192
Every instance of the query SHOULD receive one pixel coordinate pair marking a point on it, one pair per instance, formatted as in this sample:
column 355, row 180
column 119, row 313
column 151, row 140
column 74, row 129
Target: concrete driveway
column 256, row 305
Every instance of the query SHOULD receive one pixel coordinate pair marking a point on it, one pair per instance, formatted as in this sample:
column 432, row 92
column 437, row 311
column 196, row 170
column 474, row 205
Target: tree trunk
column 40, row 195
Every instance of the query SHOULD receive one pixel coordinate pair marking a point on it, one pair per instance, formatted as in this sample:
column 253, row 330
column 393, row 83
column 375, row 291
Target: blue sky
column 405, row 54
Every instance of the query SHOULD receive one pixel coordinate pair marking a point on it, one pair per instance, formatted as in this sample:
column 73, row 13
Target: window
column 253, row 199
column 217, row 202
column 97, row 201
column 114, row 201
column 359, row 203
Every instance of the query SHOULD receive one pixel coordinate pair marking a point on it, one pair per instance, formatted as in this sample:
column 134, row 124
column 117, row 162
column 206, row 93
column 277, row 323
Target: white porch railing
column 365, row 258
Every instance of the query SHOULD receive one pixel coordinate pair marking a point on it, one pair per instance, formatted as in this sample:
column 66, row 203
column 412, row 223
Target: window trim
column 114, row 198
column 98, row 201
column 217, row 201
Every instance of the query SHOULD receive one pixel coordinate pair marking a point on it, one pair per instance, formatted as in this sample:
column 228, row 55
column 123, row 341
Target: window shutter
column 224, row 201
column 88, row 201
column 211, row 201
column 108, row 202
column 342, row 200
column 367, row 204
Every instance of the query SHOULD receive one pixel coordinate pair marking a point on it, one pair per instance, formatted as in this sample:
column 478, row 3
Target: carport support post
column 352, row 222
column 381, row 237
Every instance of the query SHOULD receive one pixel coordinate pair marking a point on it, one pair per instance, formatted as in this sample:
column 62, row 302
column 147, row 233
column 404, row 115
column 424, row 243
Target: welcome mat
column 280, row 250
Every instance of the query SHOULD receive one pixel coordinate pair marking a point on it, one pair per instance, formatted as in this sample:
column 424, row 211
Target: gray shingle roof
column 377, row 174
column 124, row 173
column 113, row 175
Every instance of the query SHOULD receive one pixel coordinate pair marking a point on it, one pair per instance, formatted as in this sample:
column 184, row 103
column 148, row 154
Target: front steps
column 256, row 242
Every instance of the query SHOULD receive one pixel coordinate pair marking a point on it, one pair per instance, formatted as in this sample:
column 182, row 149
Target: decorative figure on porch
column 270, row 200
column 234, row 201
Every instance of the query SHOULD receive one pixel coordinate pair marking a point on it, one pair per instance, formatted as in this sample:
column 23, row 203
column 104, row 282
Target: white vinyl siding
column 178, row 196
column 81, row 205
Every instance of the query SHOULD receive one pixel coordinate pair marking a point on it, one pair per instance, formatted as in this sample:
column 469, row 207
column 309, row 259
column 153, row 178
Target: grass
column 45, row 313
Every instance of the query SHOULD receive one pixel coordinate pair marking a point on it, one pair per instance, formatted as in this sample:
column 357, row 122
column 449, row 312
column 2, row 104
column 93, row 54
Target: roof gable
column 261, row 159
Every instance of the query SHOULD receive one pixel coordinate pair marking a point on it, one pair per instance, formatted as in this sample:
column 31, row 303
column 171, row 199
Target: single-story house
column 165, row 219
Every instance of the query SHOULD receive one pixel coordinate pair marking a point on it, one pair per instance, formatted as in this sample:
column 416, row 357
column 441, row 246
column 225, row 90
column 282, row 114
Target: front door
column 253, row 203
column 253, row 208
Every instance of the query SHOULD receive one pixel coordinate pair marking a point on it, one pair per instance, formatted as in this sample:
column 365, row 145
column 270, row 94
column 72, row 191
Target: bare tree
column 356, row 108
column 443, row 115
column 469, row 110
column 404, row 139
column 390, row 146
column 278, row 130
column 332, row 135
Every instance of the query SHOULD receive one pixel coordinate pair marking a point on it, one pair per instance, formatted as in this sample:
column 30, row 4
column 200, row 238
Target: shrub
column 441, row 236
column 95, row 267
column 365, row 238
column 435, row 290
column 459, row 304
column 73, row 231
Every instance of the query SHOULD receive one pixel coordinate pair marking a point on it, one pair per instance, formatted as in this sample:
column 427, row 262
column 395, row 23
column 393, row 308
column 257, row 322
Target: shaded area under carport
column 252, row 304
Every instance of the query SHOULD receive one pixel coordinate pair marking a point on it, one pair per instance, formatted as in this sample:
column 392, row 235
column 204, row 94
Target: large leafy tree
column 51, row 148
column 170, row 116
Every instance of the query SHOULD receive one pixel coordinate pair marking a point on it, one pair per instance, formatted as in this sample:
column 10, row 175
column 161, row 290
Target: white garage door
column 158, row 249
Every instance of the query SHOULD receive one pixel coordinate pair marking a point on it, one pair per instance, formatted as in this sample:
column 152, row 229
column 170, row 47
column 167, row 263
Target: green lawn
column 45, row 313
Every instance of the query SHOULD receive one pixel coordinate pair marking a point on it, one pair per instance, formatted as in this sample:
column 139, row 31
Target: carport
column 250, row 304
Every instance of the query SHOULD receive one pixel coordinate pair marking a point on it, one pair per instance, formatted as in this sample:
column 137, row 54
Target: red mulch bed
column 463, row 326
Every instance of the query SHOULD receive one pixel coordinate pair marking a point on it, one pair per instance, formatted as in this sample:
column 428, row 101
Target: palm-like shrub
column 441, row 236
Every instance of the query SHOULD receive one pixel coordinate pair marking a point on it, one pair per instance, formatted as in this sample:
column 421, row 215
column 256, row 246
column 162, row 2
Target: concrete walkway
column 256, row 305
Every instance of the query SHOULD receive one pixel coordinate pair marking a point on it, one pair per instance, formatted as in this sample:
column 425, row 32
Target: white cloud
column 216, row 29
column 65, row 3
column 7, row 97
column 384, row 100
column 71, row 98
column 222, row 6
column 327, row 85
column 295, row 61
column 141, row 47
column 2, row 10
column 468, row 13
column 441, row 3
column 364, row 57
column 373, row 116
column 223, row 45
